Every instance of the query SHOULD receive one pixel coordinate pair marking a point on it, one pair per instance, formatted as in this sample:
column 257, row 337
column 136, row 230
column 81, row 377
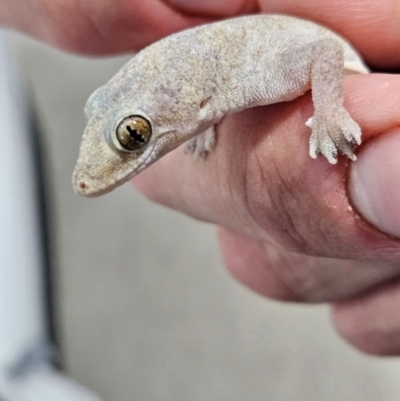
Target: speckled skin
column 186, row 83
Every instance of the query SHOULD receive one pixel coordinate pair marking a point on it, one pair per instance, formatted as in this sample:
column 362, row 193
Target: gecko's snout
column 84, row 185
column 81, row 187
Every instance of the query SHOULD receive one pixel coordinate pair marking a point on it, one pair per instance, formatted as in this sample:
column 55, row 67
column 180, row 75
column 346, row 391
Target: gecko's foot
column 201, row 144
column 337, row 133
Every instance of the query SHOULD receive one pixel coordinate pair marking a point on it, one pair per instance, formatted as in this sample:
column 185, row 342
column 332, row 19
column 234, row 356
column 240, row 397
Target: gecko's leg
column 202, row 143
column 332, row 127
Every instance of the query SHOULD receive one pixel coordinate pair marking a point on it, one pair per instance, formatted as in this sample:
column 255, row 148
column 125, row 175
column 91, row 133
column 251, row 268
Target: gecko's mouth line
column 151, row 152
column 86, row 189
column 143, row 163
column 83, row 188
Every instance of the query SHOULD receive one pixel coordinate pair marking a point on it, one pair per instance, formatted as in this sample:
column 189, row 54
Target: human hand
column 290, row 232
column 299, row 229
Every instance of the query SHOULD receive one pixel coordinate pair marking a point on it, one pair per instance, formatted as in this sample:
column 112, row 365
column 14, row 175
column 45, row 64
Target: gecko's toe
column 352, row 132
column 309, row 122
column 346, row 148
column 334, row 134
column 190, row 145
column 201, row 144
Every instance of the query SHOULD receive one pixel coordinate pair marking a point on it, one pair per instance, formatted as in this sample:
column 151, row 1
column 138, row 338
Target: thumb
column 375, row 183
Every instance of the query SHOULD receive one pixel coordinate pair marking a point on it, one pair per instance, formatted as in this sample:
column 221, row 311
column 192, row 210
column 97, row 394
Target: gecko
column 178, row 89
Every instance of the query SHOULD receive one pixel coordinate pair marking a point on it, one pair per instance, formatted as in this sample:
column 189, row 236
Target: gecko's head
column 114, row 149
column 147, row 109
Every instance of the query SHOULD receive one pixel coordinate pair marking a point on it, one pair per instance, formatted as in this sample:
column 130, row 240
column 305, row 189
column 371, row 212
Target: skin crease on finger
column 276, row 273
column 287, row 201
column 212, row 8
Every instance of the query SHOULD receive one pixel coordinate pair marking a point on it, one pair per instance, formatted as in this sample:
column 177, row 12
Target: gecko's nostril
column 82, row 185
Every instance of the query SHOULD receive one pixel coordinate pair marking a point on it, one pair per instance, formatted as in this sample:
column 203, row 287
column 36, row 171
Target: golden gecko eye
column 133, row 133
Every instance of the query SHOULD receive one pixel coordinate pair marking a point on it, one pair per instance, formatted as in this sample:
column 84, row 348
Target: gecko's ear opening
column 133, row 133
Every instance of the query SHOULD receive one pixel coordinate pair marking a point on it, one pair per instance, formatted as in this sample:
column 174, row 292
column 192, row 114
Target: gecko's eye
column 133, row 133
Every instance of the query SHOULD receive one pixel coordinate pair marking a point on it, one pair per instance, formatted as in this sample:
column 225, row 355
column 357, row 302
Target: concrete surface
column 146, row 310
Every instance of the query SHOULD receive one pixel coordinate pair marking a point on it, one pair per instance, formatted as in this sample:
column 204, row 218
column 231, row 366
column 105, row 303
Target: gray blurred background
column 145, row 308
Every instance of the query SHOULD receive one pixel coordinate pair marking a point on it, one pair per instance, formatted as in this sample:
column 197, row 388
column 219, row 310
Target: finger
column 279, row 274
column 372, row 26
column 372, row 323
column 97, row 26
column 261, row 183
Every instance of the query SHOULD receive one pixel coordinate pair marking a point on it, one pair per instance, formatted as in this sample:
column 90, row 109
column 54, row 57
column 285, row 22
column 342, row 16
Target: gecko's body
column 183, row 85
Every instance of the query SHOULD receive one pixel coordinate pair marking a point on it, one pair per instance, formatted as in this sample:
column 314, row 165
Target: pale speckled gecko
column 177, row 89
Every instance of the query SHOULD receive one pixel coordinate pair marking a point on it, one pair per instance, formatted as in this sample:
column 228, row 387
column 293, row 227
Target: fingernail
column 374, row 184
column 221, row 8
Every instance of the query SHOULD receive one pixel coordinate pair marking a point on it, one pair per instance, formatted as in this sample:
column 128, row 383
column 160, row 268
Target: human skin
column 291, row 228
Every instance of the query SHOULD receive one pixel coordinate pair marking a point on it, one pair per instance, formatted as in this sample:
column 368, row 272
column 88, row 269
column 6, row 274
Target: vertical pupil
column 133, row 133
